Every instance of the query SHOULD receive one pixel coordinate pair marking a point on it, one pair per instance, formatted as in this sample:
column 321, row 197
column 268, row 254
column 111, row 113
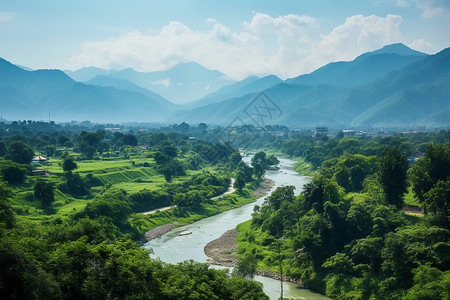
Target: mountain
column 417, row 94
column 87, row 73
column 122, row 84
column 365, row 68
column 181, row 84
column 247, row 86
column 33, row 94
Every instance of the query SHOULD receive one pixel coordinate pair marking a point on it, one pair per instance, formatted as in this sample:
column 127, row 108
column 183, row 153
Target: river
column 173, row 248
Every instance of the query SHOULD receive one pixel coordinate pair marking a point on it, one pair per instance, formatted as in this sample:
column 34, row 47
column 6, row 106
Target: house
column 39, row 159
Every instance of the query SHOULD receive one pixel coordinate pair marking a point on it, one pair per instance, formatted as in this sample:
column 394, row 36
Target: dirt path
column 158, row 209
column 412, row 209
column 229, row 191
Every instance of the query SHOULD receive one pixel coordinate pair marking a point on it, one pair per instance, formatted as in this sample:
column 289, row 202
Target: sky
column 239, row 38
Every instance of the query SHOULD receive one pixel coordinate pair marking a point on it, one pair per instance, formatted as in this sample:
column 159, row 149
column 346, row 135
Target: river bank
column 157, row 232
column 222, row 252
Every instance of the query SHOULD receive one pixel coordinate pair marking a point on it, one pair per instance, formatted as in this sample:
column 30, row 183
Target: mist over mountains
column 391, row 87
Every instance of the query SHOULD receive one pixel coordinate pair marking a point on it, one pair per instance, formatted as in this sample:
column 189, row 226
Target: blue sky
column 239, row 38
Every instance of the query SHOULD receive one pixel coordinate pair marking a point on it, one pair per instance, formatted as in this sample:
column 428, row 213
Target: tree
column 259, row 158
column 44, row 192
column 69, row 164
column 6, row 214
column 3, row 149
column 433, row 167
column 87, row 150
column 392, row 176
column 91, row 138
column 74, row 185
column 278, row 247
column 20, row 152
column 236, row 158
column 130, row 140
column 62, row 139
column 259, row 171
column 246, row 267
column 239, row 182
column 438, row 198
column 13, row 172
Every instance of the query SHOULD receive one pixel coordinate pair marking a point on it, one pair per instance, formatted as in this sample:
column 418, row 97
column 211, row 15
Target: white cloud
column 285, row 46
column 422, row 46
column 164, row 82
column 403, row 3
column 434, row 8
column 430, row 8
column 359, row 34
column 6, row 17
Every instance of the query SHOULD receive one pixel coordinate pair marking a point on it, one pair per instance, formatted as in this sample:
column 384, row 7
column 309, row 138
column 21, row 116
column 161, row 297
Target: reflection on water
column 172, row 248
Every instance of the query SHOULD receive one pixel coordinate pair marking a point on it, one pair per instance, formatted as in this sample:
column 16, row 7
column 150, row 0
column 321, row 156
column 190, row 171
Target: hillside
column 406, row 97
column 249, row 85
column 181, row 84
column 365, row 68
column 35, row 94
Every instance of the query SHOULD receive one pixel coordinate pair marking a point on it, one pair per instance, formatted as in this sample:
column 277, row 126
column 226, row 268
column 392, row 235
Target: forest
column 75, row 233
column 346, row 234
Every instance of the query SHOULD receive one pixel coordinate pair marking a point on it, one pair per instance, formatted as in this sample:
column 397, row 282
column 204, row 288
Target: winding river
column 173, row 248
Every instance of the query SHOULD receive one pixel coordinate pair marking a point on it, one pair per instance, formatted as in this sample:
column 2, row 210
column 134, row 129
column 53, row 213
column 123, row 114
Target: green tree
column 130, row 140
column 259, row 171
column 239, row 182
column 20, row 152
column 246, row 267
column 392, row 175
column 13, row 172
column 438, row 198
column 236, row 158
column 3, row 148
column 259, row 158
column 434, row 166
column 44, row 191
column 69, row 164
column 7, row 218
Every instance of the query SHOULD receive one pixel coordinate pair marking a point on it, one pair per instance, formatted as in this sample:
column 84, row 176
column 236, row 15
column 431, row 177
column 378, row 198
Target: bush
column 13, row 172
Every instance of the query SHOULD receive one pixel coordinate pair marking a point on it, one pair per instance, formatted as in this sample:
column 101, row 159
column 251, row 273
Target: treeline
column 89, row 259
column 346, row 236
column 319, row 148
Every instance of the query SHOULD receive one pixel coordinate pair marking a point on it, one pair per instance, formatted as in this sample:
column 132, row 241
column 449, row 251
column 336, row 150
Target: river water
column 173, row 248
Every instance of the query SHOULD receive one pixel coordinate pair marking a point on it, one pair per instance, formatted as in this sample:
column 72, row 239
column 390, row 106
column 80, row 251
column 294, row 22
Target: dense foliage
column 89, row 259
column 360, row 245
column 48, row 251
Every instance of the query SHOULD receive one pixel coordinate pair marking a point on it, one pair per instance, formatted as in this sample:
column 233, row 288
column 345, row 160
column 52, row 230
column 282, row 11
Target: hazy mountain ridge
column 363, row 69
column 405, row 88
column 248, row 85
column 33, row 94
column 181, row 84
column 403, row 97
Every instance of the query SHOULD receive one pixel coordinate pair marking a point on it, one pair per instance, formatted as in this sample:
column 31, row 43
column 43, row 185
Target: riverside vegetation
column 346, row 235
column 72, row 234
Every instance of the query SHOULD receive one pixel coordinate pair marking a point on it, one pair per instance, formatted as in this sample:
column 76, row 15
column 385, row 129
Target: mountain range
column 34, row 94
column 181, row 84
column 391, row 87
column 394, row 86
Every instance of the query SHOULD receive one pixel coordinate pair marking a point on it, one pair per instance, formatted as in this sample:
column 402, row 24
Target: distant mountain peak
column 397, row 48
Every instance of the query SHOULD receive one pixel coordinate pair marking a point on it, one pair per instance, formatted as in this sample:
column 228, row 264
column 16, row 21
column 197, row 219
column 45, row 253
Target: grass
column 303, row 167
column 410, row 199
column 182, row 216
column 122, row 174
